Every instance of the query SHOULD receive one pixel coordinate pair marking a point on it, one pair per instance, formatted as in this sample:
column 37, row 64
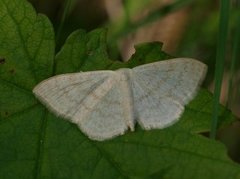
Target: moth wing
column 112, row 116
column 91, row 100
column 161, row 90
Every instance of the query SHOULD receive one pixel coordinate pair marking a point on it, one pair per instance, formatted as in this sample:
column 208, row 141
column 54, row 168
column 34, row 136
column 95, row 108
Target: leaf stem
column 67, row 7
column 219, row 66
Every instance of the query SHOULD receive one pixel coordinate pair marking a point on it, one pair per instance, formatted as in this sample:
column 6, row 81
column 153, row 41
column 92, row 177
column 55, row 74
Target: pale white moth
column 104, row 104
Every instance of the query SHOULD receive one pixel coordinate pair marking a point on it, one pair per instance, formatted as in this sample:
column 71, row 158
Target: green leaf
column 36, row 144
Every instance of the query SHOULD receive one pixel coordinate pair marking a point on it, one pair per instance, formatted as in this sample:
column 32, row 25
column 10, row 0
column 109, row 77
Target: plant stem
column 67, row 6
column 219, row 66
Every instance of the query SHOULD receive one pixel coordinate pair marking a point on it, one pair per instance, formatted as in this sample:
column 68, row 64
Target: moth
column 106, row 103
